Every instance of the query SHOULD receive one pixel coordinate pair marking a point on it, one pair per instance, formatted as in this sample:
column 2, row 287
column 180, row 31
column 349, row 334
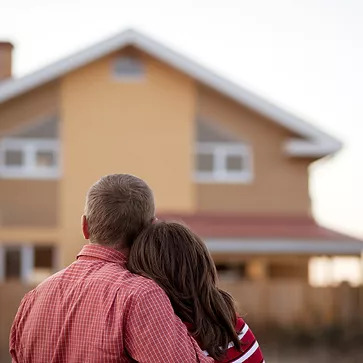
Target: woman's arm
column 250, row 350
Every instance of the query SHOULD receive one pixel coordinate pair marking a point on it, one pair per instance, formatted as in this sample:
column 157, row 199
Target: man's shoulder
column 141, row 285
column 117, row 281
column 50, row 280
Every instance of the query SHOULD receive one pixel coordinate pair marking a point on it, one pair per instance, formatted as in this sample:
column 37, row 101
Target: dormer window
column 223, row 162
column 31, row 153
column 220, row 158
column 29, row 158
column 129, row 68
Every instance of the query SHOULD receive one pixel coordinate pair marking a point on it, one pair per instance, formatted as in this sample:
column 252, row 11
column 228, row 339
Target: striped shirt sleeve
column 250, row 350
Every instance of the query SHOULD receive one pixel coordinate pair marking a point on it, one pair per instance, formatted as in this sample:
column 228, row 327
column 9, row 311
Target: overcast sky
column 304, row 55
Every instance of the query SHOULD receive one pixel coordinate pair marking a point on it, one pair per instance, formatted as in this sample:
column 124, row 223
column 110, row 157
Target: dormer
column 220, row 156
column 31, row 152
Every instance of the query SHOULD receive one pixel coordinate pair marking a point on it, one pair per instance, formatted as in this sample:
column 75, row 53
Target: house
column 227, row 162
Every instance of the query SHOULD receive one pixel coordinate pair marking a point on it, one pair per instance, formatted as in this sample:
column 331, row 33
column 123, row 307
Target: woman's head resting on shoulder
column 179, row 261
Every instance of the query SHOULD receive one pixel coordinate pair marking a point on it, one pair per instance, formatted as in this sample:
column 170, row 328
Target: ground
column 312, row 355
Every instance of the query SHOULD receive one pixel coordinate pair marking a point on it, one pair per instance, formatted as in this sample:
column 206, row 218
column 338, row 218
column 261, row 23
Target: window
column 231, row 272
column 43, row 263
column 13, row 158
column 288, row 270
column 26, row 263
column 45, row 159
column 129, row 68
column 223, row 162
column 12, row 263
column 29, row 158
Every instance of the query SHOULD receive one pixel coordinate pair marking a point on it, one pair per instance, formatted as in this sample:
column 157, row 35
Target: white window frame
column 26, row 260
column 220, row 152
column 29, row 148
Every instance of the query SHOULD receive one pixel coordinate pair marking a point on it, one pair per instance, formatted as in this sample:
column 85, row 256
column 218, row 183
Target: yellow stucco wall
column 280, row 184
column 142, row 127
column 28, row 203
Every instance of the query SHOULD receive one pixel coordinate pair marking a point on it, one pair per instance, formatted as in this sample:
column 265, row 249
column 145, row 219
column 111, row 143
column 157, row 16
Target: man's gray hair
column 118, row 207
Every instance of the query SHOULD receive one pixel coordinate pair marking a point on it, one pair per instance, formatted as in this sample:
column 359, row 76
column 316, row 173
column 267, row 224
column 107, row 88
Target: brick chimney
column 6, row 50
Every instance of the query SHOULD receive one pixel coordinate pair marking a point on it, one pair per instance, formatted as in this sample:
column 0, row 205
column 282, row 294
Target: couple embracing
column 142, row 290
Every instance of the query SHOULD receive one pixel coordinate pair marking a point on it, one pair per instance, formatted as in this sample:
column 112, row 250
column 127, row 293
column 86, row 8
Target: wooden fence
column 283, row 303
column 291, row 303
column 10, row 297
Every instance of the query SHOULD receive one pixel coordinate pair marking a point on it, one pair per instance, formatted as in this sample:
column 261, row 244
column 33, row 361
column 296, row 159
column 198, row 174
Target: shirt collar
column 103, row 253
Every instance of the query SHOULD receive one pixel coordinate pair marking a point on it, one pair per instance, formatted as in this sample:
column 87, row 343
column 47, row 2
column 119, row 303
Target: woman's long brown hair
column 179, row 262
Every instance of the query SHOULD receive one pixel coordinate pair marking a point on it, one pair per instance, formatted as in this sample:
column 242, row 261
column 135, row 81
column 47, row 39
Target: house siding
column 141, row 127
column 28, row 203
column 280, row 183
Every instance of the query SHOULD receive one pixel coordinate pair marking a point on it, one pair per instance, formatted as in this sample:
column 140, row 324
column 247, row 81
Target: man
column 95, row 310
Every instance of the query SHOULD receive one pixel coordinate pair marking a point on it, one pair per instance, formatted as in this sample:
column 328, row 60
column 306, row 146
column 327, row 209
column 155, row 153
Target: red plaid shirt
column 97, row 311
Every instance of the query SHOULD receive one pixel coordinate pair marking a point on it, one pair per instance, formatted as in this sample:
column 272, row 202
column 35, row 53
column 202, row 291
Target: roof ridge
column 314, row 142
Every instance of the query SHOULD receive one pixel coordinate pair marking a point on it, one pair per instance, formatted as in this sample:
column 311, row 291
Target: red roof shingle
column 226, row 225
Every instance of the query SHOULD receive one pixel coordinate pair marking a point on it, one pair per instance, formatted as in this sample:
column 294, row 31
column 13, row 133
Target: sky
column 303, row 55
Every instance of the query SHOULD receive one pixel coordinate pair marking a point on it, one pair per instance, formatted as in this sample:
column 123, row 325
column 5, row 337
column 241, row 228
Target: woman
column 178, row 261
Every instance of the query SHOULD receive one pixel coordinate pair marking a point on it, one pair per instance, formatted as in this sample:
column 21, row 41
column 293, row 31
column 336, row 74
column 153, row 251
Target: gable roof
column 312, row 142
